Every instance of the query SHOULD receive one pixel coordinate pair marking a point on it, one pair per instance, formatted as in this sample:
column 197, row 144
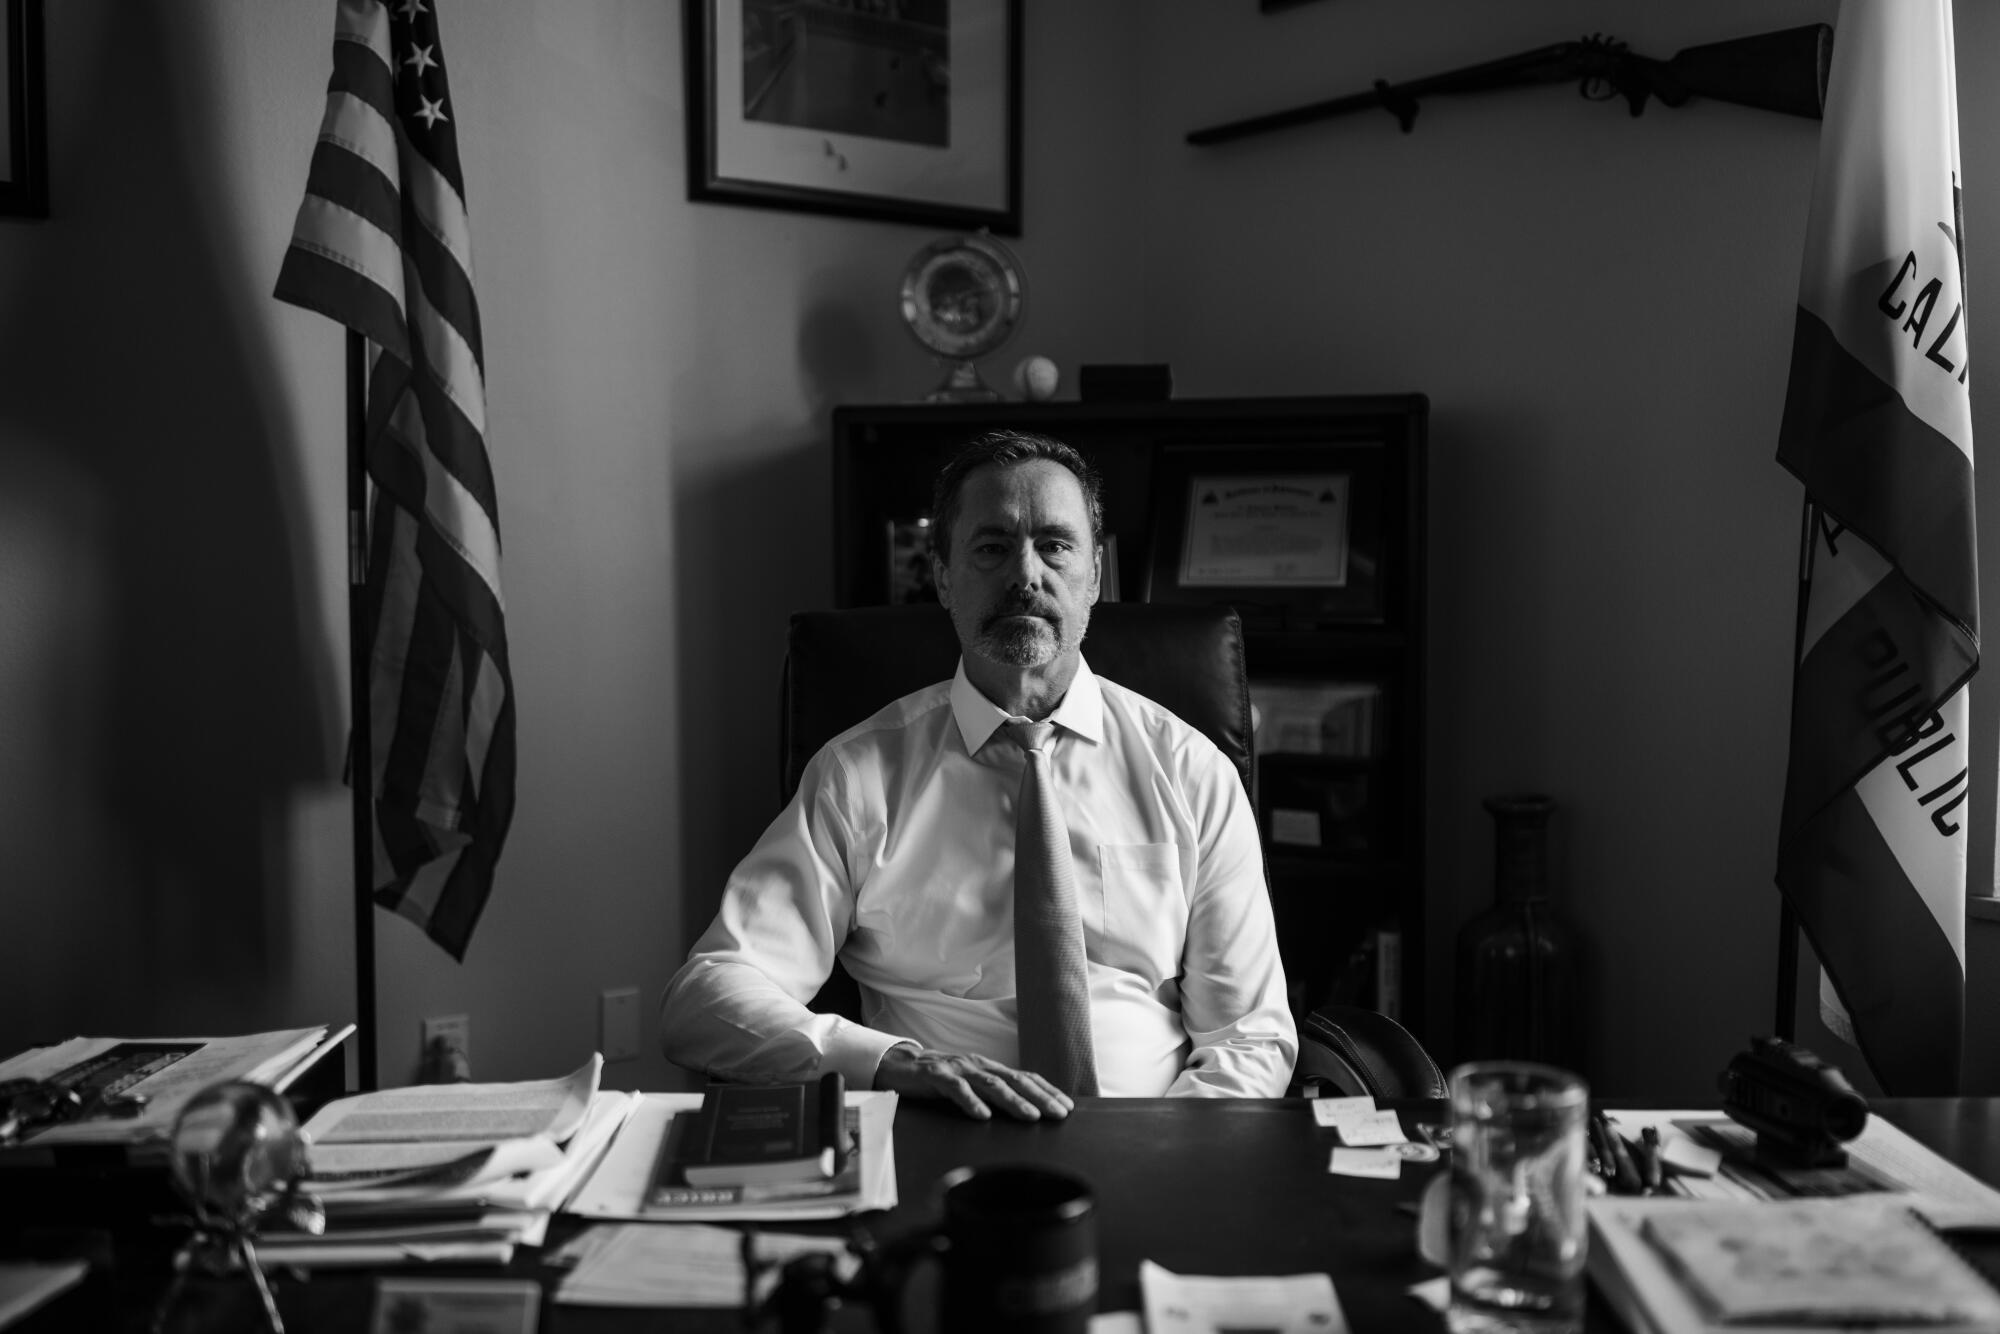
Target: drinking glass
column 1518, row 1231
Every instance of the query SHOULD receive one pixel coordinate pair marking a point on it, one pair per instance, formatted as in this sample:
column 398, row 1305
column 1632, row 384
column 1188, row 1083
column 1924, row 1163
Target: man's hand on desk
column 974, row 1084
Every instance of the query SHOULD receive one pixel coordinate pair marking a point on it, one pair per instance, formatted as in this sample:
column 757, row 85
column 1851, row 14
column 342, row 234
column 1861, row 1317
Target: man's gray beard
column 1021, row 645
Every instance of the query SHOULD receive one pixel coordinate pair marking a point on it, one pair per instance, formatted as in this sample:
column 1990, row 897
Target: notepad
column 1858, row 1260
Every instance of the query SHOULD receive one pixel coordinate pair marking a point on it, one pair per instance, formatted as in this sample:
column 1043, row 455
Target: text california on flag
column 382, row 246
column 1878, row 428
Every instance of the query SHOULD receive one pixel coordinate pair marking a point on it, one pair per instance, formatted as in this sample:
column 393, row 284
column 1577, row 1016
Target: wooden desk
column 1241, row 1187
column 1203, row 1186
column 1213, row 1187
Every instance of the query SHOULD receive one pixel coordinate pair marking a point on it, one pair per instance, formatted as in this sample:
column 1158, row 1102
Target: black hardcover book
column 758, row 1134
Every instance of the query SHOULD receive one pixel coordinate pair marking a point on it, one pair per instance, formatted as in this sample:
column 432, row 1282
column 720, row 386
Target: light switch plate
column 618, row 1023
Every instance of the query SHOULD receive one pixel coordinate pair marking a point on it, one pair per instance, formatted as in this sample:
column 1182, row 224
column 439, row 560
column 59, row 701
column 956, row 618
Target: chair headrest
column 844, row 665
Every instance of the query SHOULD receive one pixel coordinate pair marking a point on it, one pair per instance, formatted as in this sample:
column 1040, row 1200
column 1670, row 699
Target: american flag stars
column 422, row 57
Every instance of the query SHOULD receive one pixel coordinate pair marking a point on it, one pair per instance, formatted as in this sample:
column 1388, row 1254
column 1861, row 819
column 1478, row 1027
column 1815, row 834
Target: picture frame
column 912, row 116
column 1291, row 536
column 24, row 190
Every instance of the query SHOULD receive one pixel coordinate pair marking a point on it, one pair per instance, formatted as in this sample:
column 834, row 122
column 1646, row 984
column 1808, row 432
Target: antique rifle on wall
column 1777, row 71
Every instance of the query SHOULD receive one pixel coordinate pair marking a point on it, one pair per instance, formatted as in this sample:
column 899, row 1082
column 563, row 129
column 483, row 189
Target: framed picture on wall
column 1284, row 534
column 902, row 110
column 24, row 191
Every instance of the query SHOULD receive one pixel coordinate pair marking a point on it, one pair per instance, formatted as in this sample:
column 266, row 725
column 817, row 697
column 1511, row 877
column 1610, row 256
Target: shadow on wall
column 165, row 691
column 750, row 548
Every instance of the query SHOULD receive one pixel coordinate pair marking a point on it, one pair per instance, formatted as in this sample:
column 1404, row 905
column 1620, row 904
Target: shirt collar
column 1081, row 710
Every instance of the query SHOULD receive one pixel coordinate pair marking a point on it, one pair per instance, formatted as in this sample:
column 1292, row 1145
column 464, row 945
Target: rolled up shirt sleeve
column 1233, row 999
column 737, row 1007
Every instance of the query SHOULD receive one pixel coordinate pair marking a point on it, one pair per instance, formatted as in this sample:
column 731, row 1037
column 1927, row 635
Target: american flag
column 381, row 245
column 1879, row 428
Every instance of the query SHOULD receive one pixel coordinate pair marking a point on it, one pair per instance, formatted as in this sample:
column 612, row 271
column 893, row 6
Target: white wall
column 173, row 837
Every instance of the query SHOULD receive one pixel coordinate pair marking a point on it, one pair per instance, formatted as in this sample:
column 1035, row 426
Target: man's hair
column 1004, row 449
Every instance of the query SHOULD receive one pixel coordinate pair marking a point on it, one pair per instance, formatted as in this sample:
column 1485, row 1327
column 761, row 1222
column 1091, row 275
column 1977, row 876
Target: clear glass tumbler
column 1518, row 1232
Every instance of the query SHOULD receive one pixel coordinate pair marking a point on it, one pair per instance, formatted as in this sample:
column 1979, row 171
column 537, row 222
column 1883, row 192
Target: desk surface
column 1203, row 1186
column 1200, row 1186
column 1240, row 1186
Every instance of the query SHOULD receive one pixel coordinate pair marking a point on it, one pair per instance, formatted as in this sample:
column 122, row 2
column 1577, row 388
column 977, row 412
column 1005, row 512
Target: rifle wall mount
column 1775, row 71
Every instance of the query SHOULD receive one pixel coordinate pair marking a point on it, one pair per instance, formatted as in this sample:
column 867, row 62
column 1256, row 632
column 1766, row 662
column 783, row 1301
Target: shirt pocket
column 1145, row 909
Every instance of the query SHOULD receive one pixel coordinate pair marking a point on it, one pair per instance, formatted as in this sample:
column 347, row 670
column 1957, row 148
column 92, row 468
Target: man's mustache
column 1024, row 607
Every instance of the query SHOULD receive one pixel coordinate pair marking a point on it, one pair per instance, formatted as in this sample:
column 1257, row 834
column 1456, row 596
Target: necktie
column 1051, row 983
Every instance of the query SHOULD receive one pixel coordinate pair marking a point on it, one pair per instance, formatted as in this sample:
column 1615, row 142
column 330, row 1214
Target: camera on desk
column 1801, row 1107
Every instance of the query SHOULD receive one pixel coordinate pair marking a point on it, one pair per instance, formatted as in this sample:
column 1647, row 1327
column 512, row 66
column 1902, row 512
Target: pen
column 1626, row 1175
column 1599, row 1152
column 1603, row 1160
column 1650, row 1169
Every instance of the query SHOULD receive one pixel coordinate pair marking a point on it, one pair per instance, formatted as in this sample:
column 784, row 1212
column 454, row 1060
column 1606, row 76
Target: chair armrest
column 1359, row 1051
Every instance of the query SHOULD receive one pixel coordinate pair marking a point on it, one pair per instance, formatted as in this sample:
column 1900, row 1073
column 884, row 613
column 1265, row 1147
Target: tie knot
column 1031, row 736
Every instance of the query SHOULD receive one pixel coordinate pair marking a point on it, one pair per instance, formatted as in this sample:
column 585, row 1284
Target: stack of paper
column 636, row 1264
column 1199, row 1304
column 1714, row 1158
column 1673, row 1266
column 164, row 1072
column 459, row 1172
column 619, row 1189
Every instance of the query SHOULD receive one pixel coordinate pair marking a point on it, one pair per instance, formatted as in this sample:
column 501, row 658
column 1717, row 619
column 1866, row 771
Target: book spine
column 1389, row 972
column 832, row 1117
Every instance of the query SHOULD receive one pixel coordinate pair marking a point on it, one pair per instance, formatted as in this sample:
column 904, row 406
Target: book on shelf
column 1389, row 971
column 759, row 1135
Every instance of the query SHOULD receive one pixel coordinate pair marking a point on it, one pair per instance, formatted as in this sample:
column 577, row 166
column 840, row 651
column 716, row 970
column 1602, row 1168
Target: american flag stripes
column 381, row 245
column 1879, row 429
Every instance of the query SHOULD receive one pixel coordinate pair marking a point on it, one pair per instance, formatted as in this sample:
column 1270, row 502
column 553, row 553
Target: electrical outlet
column 455, row 1029
column 618, row 1023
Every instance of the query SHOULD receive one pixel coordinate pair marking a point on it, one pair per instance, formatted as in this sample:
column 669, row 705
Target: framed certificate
column 1272, row 531
column 1289, row 534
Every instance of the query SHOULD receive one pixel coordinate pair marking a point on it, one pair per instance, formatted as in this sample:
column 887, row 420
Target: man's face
column 1021, row 575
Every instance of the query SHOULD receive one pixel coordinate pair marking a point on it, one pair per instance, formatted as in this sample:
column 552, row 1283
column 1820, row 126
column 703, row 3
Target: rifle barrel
column 1777, row 71
column 1544, row 64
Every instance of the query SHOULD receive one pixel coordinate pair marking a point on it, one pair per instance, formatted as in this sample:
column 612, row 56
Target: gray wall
column 1599, row 309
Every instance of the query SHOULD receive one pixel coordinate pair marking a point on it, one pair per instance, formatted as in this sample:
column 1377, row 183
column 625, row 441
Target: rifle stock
column 1773, row 71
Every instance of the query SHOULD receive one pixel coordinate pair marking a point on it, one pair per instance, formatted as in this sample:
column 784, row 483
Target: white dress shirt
column 897, row 854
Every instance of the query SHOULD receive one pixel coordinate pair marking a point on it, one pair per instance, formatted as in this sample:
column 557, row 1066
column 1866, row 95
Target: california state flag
column 1878, row 428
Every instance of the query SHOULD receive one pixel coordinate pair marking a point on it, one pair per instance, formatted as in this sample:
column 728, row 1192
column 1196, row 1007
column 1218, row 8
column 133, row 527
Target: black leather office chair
column 1346, row 1050
column 844, row 665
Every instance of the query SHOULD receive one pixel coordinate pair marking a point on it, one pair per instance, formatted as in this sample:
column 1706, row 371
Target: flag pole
column 360, row 754
column 1786, row 1026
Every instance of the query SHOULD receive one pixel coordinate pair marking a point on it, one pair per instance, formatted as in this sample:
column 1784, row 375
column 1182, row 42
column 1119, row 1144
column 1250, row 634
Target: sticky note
column 1684, row 1155
column 1371, row 1128
column 1331, row 1111
column 1380, row 1164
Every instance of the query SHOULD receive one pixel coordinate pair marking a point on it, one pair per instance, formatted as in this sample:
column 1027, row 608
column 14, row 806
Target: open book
column 398, row 1144
column 1782, row 1267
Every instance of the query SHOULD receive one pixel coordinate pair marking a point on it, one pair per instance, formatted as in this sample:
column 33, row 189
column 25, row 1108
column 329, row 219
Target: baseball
column 1036, row 378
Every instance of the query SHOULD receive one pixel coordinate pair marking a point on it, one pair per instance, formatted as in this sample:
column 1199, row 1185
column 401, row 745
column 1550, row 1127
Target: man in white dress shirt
column 897, row 853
